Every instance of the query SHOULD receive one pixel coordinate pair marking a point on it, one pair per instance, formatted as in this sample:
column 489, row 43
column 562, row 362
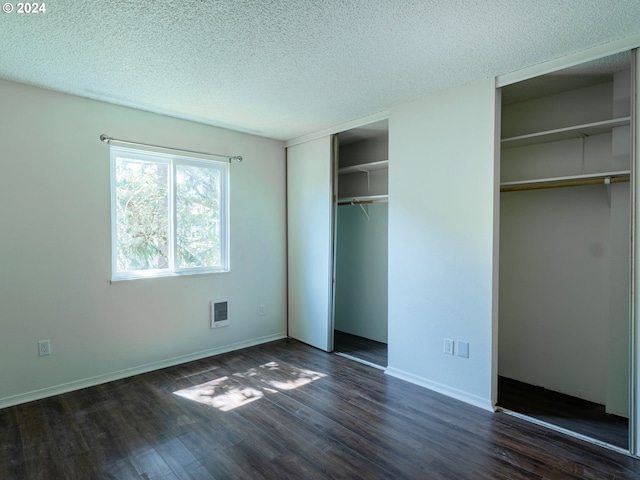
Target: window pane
column 142, row 215
column 197, row 194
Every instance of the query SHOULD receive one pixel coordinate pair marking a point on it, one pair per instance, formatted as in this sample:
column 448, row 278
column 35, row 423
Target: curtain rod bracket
column 107, row 139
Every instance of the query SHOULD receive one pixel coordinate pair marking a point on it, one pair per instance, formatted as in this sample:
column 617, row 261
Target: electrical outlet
column 448, row 346
column 44, row 348
column 262, row 310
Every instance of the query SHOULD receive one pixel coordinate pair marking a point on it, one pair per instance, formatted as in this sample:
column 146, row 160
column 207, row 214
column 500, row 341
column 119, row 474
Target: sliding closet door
column 310, row 235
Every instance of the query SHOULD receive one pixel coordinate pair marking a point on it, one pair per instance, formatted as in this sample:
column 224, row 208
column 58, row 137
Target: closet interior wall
column 362, row 239
column 564, row 252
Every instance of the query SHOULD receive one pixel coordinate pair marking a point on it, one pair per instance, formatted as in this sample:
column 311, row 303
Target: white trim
column 495, row 260
column 634, row 331
column 129, row 372
column 173, row 163
column 570, row 60
column 166, row 274
column 360, row 122
column 480, row 402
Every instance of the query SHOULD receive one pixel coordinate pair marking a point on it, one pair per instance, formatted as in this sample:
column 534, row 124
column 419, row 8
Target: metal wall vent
column 219, row 313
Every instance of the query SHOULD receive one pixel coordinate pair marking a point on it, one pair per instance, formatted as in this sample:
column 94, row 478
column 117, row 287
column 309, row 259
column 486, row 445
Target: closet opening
column 565, row 250
column 361, row 234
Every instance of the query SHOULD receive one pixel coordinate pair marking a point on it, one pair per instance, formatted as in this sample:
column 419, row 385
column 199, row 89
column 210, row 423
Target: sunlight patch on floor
column 241, row 388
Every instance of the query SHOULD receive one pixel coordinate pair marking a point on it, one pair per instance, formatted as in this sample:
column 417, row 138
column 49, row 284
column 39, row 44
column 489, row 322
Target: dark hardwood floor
column 283, row 410
column 359, row 347
column 575, row 414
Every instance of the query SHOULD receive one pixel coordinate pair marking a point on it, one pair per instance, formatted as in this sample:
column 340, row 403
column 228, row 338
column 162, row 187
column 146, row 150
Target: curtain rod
column 107, row 139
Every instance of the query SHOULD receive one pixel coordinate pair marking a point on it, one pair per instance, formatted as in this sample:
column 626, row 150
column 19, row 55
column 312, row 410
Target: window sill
column 156, row 274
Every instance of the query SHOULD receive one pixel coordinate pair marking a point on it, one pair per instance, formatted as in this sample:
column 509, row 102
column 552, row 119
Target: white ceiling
column 285, row 68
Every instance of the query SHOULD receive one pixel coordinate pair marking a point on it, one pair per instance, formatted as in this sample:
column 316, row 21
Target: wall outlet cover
column 448, row 346
column 463, row 349
column 44, row 348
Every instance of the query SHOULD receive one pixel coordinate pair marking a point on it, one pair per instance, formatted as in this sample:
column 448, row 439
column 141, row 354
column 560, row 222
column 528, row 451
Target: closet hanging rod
column 603, row 180
column 358, row 202
column 363, row 200
column 107, row 139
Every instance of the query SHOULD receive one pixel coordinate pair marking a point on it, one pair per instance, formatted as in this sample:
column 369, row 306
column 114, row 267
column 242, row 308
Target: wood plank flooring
column 359, row 347
column 283, row 410
column 575, row 414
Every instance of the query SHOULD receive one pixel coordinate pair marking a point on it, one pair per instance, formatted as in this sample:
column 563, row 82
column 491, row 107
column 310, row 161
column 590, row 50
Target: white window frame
column 172, row 161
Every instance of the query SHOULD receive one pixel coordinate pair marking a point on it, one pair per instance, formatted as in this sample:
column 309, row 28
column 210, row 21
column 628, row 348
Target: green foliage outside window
column 142, row 202
column 169, row 214
column 197, row 216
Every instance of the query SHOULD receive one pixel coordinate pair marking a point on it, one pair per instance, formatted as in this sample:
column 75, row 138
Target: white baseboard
column 466, row 397
column 129, row 372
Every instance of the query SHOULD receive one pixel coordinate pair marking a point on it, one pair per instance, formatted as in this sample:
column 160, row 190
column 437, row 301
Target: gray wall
column 442, row 191
column 362, row 271
column 55, row 256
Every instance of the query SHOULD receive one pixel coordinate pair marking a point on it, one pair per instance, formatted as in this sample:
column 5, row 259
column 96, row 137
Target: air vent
column 219, row 313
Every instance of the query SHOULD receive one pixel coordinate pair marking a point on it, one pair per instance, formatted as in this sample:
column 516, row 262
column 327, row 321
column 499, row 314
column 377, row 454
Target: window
column 169, row 214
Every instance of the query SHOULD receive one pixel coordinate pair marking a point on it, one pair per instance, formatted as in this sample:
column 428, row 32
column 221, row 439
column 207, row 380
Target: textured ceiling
column 284, row 68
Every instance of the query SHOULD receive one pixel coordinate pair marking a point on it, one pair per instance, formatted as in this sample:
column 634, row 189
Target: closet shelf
column 363, row 199
column 566, row 133
column 364, row 167
column 604, row 178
